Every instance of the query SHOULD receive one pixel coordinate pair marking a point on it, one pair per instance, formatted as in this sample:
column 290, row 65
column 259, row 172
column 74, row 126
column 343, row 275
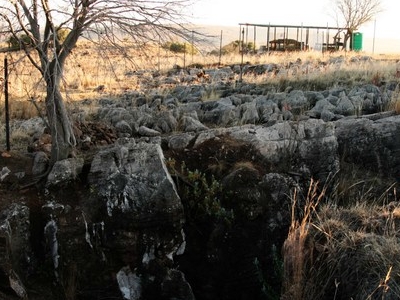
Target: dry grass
column 92, row 66
column 295, row 250
column 95, row 71
column 343, row 253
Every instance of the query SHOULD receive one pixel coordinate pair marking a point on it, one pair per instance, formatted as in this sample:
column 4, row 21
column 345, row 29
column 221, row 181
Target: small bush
column 235, row 46
column 62, row 34
column 178, row 47
column 17, row 42
column 200, row 195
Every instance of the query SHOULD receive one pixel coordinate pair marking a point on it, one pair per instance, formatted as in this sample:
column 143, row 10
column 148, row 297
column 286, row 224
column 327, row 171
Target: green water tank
column 357, row 41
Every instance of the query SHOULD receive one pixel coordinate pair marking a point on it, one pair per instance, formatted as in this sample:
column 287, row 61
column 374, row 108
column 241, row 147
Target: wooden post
column 255, row 38
column 6, row 104
column 307, row 36
column 241, row 63
column 220, row 50
column 301, row 38
column 240, row 39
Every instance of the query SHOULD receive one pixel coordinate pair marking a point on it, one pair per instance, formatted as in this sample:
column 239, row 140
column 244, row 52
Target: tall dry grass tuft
column 394, row 103
column 344, row 253
column 295, row 251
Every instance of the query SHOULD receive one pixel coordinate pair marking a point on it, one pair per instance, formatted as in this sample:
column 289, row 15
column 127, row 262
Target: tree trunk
column 63, row 139
column 347, row 38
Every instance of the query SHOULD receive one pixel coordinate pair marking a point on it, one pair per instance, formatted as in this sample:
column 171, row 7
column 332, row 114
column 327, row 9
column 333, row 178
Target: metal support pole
column 6, row 104
column 255, row 38
column 307, row 37
column 220, row 50
column 241, row 64
column 240, row 39
column 301, row 38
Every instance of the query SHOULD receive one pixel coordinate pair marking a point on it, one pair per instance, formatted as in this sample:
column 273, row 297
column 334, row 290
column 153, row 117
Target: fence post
column 220, row 50
column 241, row 63
column 6, row 104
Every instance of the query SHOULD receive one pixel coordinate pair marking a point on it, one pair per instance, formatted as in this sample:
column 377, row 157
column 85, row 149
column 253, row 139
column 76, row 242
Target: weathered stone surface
column 308, row 147
column 249, row 113
column 114, row 115
column 132, row 178
column 130, row 284
column 130, row 218
column 138, row 202
column 165, row 122
column 64, row 171
column 190, row 124
column 180, row 141
column 123, row 128
column 16, row 255
column 145, row 131
column 375, row 145
column 118, row 231
column 40, row 163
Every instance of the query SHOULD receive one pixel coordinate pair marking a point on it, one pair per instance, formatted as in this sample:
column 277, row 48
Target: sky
column 379, row 36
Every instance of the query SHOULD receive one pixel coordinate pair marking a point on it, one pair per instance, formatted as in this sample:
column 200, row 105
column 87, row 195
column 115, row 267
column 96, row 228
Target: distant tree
column 351, row 14
column 54, row 27
column 180, row 47
column 237, row 46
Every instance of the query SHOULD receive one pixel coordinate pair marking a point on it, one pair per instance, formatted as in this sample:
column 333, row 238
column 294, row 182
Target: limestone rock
column 145, row 131
column 16, row 255
column 40, row 163
column 64, row 171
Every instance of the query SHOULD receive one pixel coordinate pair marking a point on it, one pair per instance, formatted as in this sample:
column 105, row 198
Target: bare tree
column 351, row 14
column 41, row 21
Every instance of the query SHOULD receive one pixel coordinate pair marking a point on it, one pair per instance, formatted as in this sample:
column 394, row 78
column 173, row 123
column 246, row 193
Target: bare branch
column 352, row 14
column 106, row 20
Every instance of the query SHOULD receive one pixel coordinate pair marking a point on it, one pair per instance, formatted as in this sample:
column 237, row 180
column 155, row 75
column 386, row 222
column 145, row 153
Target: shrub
column 200, row 195
column 18, row 42
column 235, row 46
column 62, row 34
column 178, row 47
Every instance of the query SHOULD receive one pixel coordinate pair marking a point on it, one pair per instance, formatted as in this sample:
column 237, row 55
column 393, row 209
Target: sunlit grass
column 93, row 71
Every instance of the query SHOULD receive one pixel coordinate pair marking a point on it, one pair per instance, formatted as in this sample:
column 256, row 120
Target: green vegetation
column 19, row 41
column 200, row 195
column 234, row 47
column 178, row 47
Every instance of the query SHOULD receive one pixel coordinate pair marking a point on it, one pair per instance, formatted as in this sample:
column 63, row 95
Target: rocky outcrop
column 17, row 257
column 118, row 237
column 256, row 168
column 141, row 214
column 194, row 197
column 122, row 224
column 373, row 144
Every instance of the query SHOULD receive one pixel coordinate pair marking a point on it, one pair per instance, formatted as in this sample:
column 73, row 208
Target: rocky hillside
column 190, row 191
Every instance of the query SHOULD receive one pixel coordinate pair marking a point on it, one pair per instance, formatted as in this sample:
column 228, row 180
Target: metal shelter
column 291, row 37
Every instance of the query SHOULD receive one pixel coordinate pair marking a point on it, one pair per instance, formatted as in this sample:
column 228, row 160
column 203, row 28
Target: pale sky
column 296, row 12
